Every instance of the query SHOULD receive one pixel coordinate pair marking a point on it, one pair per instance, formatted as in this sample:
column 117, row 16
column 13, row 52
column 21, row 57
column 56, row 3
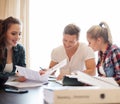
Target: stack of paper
column 26, row 84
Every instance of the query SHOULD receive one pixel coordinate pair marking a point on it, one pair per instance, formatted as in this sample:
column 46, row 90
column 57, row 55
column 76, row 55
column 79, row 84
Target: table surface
column 34, row 95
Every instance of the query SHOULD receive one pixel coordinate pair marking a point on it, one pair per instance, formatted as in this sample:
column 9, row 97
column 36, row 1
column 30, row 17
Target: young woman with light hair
column 100, row 39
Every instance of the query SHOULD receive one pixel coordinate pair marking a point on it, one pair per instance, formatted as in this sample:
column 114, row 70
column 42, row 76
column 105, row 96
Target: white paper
column 31, row 74
column 26, row 84
column 110, row 80
column 57, row 66
column 35, row 75
column 85, row 78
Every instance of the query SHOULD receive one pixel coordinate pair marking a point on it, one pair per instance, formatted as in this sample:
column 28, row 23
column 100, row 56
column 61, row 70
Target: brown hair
column 72, row 29
column 4, row 26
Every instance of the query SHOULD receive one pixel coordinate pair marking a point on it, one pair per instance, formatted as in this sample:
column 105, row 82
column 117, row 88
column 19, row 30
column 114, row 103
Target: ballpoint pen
column 42, row 69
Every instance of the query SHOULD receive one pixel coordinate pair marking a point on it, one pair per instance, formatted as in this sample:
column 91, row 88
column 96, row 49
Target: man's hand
column 42, row 71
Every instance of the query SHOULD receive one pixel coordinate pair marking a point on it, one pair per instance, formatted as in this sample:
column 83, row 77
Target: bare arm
column 90, row 67
column 52, row 63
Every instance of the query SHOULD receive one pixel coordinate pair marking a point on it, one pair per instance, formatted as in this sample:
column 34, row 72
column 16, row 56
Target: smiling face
column 13, row 35
column 69, row 41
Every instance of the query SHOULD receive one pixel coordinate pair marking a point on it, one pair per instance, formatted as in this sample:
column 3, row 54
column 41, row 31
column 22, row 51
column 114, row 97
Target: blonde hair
column 101, row 30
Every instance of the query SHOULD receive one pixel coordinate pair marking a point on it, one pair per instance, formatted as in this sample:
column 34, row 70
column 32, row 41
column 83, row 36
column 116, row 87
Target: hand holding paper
column 54, row 68
column 58, row 66
column 31, row 74
column 35, row 75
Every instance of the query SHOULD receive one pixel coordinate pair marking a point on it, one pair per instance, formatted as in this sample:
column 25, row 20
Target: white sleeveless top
column 8, row 67
column 102, row 70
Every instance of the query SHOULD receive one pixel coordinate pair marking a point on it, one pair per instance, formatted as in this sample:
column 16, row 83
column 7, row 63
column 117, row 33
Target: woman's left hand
column 21, row 79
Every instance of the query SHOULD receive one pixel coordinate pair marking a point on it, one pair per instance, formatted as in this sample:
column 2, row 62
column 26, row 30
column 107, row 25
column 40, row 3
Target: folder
column 81, row 95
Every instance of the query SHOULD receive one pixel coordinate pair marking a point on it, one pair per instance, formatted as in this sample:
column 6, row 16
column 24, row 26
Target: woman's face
column 69, row 41
column 94, row 43
column 13, row 35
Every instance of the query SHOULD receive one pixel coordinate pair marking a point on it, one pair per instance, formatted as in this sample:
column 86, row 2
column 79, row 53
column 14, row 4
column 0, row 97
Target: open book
column 82, row 79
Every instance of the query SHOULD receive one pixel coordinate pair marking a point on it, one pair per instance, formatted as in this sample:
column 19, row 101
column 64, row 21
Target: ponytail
column 104, row 26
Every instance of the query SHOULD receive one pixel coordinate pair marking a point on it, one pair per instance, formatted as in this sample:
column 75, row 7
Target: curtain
column 18, row 9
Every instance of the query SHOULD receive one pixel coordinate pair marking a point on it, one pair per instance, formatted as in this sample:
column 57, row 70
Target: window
column 49, row 17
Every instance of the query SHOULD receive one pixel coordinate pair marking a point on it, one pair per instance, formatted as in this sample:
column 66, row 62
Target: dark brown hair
column 4, row 26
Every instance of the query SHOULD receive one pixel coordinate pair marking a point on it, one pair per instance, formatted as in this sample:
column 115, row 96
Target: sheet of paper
column 85, row 78
column 56, row 67
column 26, row 84
column 31, row 74
column 110, row 80
column 35, row 75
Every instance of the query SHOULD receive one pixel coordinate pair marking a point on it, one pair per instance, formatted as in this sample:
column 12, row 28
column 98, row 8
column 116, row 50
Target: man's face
column 69, row 41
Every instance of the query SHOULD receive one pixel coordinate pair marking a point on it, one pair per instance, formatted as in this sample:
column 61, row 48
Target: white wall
column 49, row 17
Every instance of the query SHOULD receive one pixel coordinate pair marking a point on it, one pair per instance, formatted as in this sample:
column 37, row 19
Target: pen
column 42, row 69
